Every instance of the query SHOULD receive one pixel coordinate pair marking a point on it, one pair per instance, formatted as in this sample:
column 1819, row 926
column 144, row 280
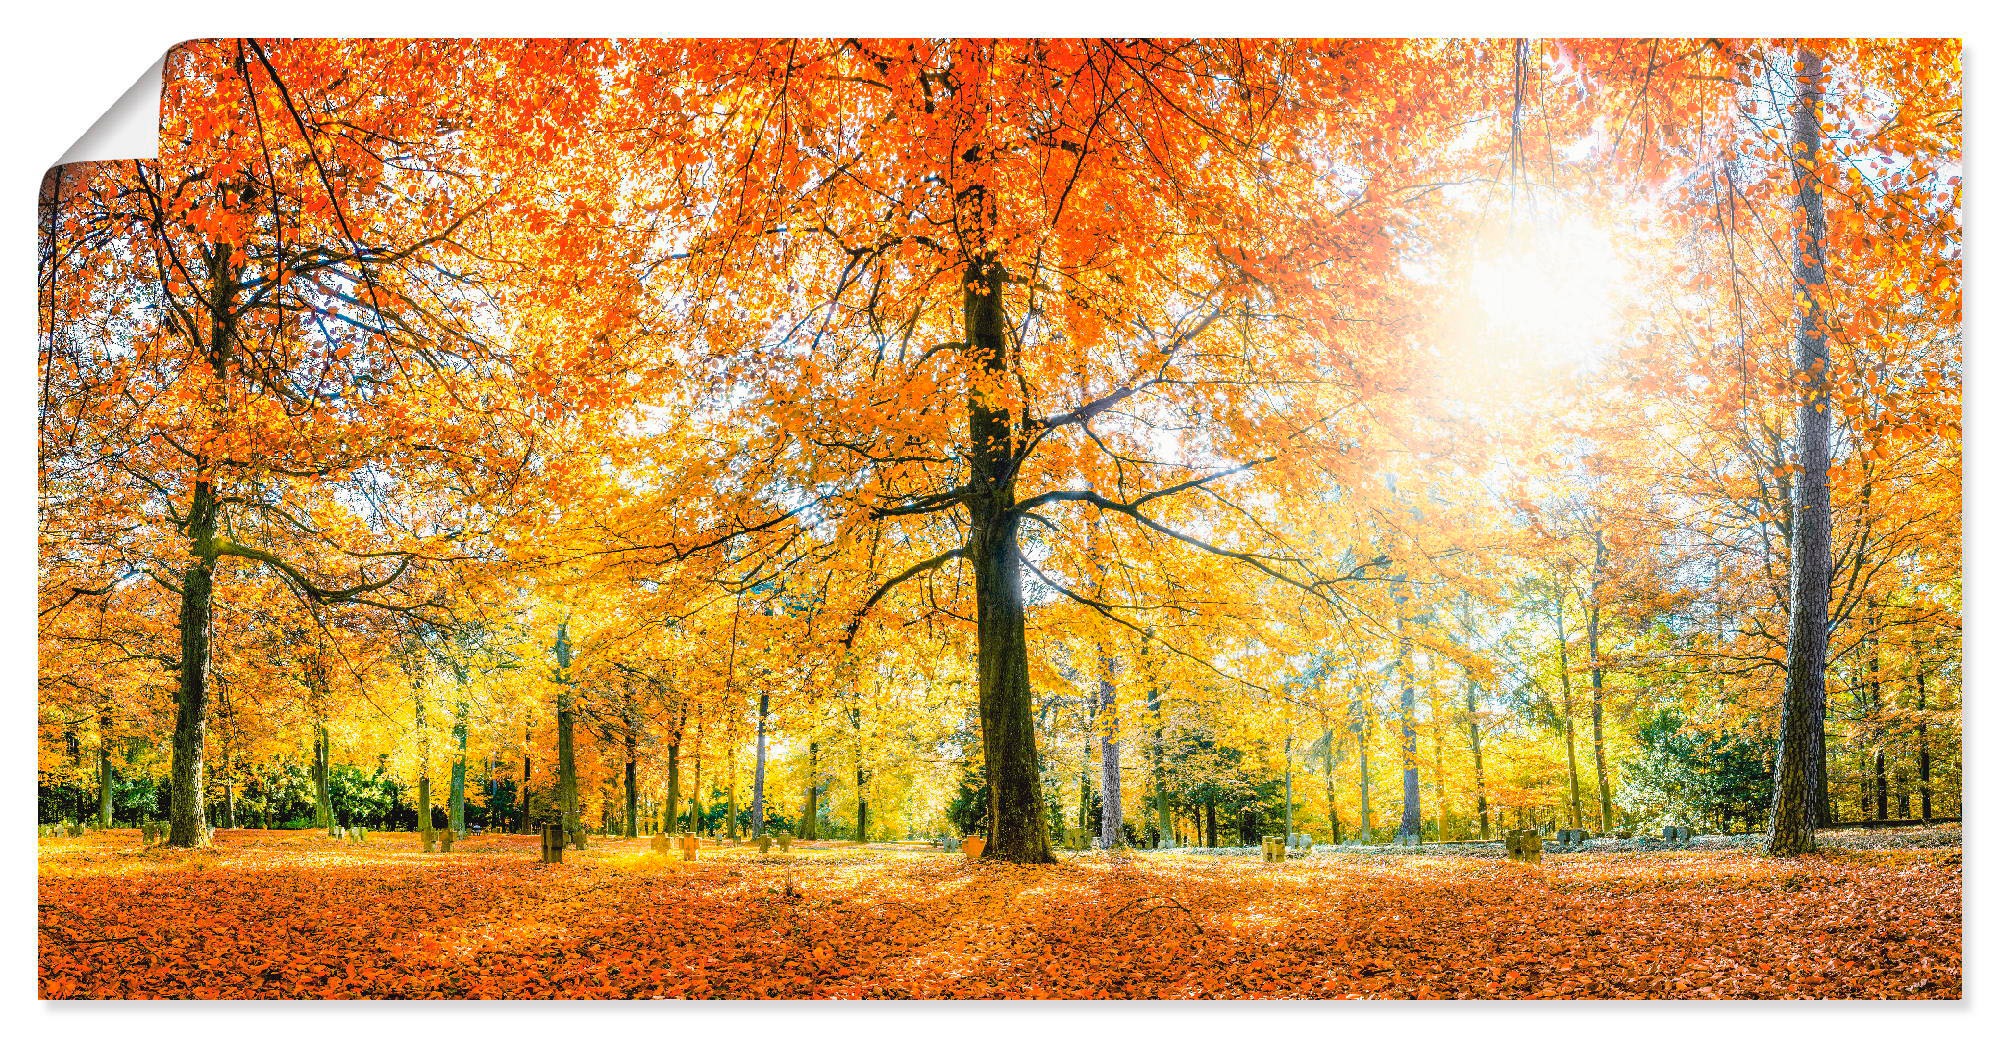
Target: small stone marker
column 763, row 845
column 784, row 843
column 690, row 847
column 1677, row 835
column 1274, row 848
column 360, row 833
column 974, row 846
column 1524, row 846
column 659, row 843
column 430, row 840
column 552, row 843
column 576, row 838
column 445, row 840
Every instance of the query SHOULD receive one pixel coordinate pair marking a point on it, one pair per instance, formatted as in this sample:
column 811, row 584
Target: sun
column 1553, row 289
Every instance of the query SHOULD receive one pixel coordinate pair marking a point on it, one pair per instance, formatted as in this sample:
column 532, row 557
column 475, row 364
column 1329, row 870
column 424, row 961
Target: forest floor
column 300, row 915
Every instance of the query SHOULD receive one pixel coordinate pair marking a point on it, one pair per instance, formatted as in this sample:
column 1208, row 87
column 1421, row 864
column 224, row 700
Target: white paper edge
column 129, row 129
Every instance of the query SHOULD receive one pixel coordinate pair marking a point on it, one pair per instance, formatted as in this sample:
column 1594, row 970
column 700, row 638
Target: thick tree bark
column 104, row 775
column 1799, row 787
column 457, row 808
column 188, row 811
column 566, row 792
column 1017, row 823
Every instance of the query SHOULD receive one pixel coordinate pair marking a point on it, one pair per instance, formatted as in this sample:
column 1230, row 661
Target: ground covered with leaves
column 291, row 915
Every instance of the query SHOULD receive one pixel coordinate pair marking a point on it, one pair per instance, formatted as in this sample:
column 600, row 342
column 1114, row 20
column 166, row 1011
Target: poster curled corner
column 129, row 129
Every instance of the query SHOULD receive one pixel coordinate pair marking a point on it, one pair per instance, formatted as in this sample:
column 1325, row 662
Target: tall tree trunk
column 423, row 773
column 188, row 812
column 674, row 787
column 1597, row 691
column 527, row 775
column 458, row 734
column 1478, row 755
column 1923, row 747
column 1361, row 744
column 1087, row 821
column 1569, row 722
column 809, row 825
column 1413, row 807
column 1018, row 826
column 322, row 777
column 1208, row 835
column 757, row 778
column 1154, row 705
column 1799, row 788
column 1332, row 803
column 104, row 775
column 188, row 808
column 566, row 792
column 730, row 807
column 860, row 774
column 632, row 779
column 1111, row 826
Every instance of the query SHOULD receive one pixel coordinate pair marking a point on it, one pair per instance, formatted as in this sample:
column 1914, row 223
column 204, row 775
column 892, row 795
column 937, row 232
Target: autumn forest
column 887, row 511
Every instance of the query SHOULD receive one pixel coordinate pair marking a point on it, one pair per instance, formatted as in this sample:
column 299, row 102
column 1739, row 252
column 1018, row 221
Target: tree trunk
column 1161, row 801
column 860, row 775
column 1597, row 697
column 566, row 792
column 1923, row 748
column 1208, row 834
column 1478, row 755
column 1086, row 822
column 322, row 779
column 809, row 825
column 187, row 808
column 757, row 777
column 457, row 807
column 188, row 812
column 527, row 775
column 1413, row 807
column 674, row 787
column 104, row 775
column 632, row 782
column 1332, row 805
column 1111, row 826
column 1018, row 827
column 1361, row 744
column 423, row 773
column 1799, row 788
column 1569, row 724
